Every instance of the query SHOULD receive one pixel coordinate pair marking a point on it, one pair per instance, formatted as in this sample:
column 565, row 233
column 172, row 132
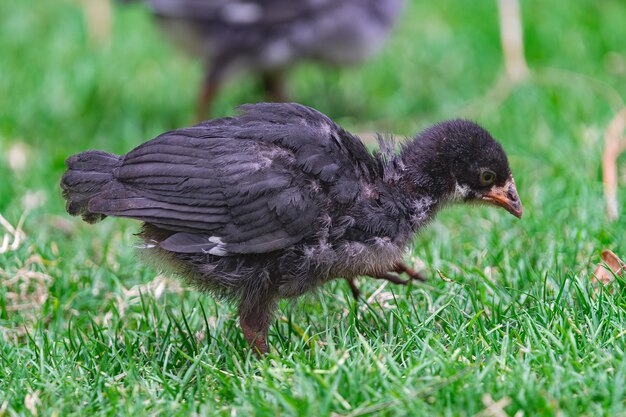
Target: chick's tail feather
column 88, row 174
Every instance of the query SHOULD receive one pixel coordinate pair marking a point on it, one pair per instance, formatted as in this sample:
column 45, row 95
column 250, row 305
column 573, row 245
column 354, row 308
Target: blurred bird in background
column 267, row 37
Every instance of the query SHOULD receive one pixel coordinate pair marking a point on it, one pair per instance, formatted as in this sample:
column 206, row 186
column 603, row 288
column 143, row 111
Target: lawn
column 515, row 328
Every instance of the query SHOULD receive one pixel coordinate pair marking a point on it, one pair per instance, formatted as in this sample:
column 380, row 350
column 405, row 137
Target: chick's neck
column 425, row 179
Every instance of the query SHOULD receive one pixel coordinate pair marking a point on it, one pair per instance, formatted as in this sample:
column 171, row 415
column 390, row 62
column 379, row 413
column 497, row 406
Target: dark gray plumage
column 279, row 200
column 269, row 36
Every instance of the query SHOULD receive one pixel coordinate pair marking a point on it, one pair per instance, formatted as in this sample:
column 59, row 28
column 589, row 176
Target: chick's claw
column 412, row 273
column 393, row 278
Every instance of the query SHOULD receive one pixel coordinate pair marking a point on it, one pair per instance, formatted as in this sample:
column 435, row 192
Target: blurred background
column 94, row 74
column 77, row 75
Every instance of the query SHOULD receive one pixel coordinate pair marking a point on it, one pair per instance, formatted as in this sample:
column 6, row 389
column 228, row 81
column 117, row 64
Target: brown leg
column 205, row 99
column 356, row 293
column 274, row 85
column 401, row 267
column 254, row 322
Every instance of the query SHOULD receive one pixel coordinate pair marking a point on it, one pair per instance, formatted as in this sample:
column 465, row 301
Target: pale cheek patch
column 422, row 209
column 461, row 193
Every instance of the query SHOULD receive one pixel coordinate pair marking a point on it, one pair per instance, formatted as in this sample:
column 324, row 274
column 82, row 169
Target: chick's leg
column 356, row 293
column 255, row 321
column 208, row 92
column 274, row 85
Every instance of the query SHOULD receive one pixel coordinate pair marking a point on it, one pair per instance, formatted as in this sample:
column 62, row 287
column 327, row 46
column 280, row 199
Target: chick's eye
column 487, row 177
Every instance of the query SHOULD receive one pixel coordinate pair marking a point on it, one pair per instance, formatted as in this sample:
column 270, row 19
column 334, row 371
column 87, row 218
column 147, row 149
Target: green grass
column 85, row 329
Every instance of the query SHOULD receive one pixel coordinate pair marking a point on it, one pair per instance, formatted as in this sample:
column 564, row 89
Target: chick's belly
column 318, row 264
column 371, row 258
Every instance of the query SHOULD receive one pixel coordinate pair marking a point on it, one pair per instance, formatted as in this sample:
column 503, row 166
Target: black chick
column 268, row 36
column 279, row 200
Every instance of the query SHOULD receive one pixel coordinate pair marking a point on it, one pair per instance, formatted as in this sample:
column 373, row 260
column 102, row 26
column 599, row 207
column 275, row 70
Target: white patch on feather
column 219, row 249
column 145, row 246
column 369, row 190
column 422, row 211
column 373, row 258
column 313, row 185
column 242, row 12
column 325, row 128
column 460, row 193
column 268, row 156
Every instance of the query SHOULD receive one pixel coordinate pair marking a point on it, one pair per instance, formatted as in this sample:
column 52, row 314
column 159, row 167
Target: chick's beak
column 505, row 197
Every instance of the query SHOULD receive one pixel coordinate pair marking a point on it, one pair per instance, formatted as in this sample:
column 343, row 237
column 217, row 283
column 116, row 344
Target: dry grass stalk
column 494, row 408
column 14, row 233
column 98, row 18
column 27, row 290
column 17, row 157
column 156, row 288
column 614, row 144
column 32, row 402
column 512, row 40
column 610, row 266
